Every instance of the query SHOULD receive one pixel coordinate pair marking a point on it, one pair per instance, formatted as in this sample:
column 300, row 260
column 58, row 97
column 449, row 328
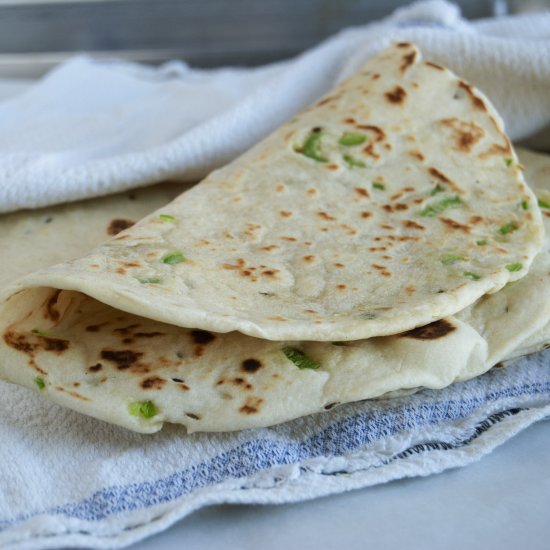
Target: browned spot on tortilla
column 380, row 135
column 250, row 230
column 416, row 154
column 252, row 405
column 288, row 239
column 123, row 359
column 202, row 337
column 277, row 318
column 327, row 100
column 387, row 226
column 242, row 269
column 126, row 330
column 366, row 214
column 121, row 271
column 362, row 192
column 453, row 224
column 285, row 213
column 434, row 172
column 349, row 120
column 30, row 344
column 95, row 328
column 331, row 166
column 312, row 191
column 280, row 187
column 339, row 265
column 131, row 264
column 71, row 393
column 53, row 344
column 475, row 219
column 325, row 216
column 331, row 405
column 369, row 151
column 193, row 416
column 117, row 225
column 148, row 334
column 309, row 258
column 397, row 95
column 403, row 238
column 499, row 365
column 477, row 102
column 251, row 365
column 270, row 273
column 95, row 368
column 408, row 60
column 395, row 207
column 350, row 230
column 496, row 149
column 434, row 65
column 410, row 224
column 241, row 382
column 270, row 247
column 547, row 214
column 50, row 311
column 341, row 287
column 465, row 134
column 152, row 383
column 437, row 329
column 409, row 289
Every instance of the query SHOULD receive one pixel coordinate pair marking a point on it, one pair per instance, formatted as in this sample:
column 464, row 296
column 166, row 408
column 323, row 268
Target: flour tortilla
column 218, row 382
column 361, row 217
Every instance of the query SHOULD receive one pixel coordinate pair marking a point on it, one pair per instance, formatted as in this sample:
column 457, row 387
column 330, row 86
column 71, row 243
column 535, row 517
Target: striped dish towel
column 69, row 480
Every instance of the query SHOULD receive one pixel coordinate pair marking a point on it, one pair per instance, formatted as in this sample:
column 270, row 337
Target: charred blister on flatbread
column 202, row 337
column 117, row 225
column 152, row 383
column 396, row 96
column 251, row 405
column 123, row 359
column 437, row 329
column 251, row 365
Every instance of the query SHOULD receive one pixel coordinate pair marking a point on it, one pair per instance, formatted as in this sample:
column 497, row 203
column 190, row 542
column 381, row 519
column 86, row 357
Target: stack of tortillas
column 383, row 240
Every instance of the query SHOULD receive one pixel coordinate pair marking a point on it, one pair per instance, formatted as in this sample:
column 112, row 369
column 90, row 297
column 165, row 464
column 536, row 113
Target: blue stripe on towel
column 339, row 438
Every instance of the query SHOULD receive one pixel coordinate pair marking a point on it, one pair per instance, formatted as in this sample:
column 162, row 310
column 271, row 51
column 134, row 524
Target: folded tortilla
column 144, row 329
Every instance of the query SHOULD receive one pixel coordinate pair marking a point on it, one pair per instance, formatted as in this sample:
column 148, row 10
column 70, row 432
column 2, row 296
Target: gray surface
column 34, row 36
column 501, row 502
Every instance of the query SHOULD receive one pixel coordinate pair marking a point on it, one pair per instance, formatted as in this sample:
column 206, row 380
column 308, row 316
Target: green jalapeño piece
column 349, row 139
column 312, row 146
column 173, row 258
column 300, row 359
column 145, row 409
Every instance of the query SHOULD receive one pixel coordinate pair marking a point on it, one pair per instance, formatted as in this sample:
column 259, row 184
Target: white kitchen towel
column 92, row 127
column 69, row 480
